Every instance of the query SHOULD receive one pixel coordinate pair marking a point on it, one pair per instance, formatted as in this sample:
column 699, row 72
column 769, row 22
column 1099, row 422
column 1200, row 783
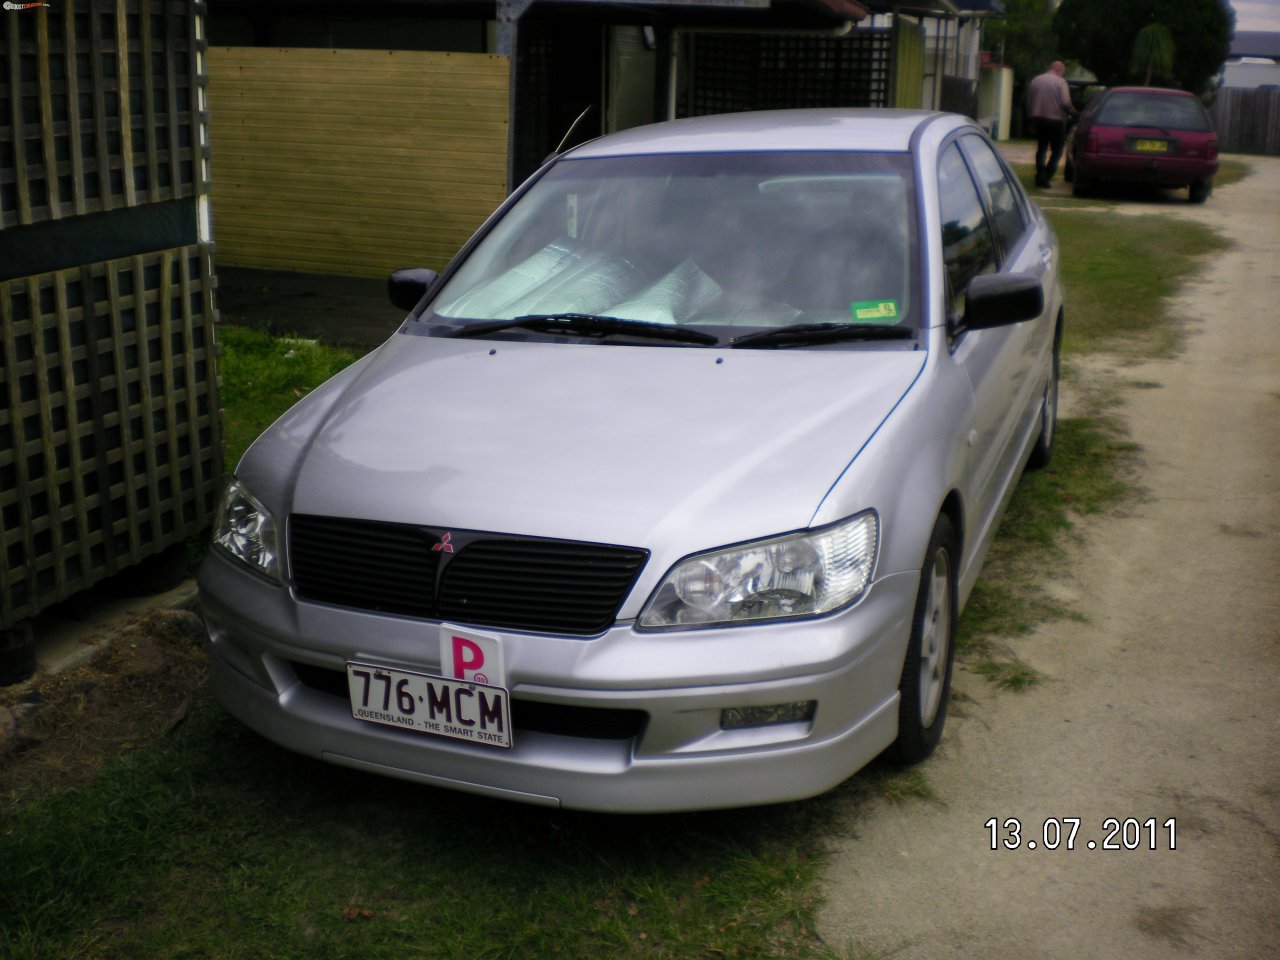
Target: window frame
column 955, row 297
column 1021, row 204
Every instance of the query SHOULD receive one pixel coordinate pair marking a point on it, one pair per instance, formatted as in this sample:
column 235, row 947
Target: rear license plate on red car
column 1151, row 146
column 459, row 710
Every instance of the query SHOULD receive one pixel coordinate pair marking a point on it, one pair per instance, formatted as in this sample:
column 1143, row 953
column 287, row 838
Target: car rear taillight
column 1091, row 143
column 1211, row 151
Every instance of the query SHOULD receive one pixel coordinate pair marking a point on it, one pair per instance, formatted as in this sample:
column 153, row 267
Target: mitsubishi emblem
column 445, row 545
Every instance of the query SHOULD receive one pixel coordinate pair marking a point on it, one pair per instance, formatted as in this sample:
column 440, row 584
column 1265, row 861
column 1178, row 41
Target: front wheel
column 925, row 685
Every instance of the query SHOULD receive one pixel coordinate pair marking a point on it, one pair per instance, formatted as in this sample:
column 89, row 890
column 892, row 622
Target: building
column 1254, row 61
column 355, row 140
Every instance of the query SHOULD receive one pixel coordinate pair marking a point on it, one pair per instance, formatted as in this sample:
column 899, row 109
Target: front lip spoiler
column 464, row 786
column 612, row 781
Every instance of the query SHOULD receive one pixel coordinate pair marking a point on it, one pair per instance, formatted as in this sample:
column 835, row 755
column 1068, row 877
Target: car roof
column 861, row 130
column 1159, row 91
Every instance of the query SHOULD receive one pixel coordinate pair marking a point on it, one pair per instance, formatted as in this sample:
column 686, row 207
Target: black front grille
column 372, row 566
column 520, row 583
column 538, row 585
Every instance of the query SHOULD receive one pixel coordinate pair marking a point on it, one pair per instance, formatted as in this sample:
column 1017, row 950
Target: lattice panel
column 109, row 444
column 733, row 72
column 100, row 101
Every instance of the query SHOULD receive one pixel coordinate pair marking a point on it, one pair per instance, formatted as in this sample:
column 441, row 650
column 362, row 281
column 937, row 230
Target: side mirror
column 407, row 287
column 1000, row 299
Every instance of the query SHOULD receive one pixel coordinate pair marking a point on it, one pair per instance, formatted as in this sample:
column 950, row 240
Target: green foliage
column 1088, row 475
column 1153, row 53
column 902, row 786
column 1101, row 35
column 1119, row 273
column 1009, row 674
column 213, row 843
column 263, row 376
column 1024, row 37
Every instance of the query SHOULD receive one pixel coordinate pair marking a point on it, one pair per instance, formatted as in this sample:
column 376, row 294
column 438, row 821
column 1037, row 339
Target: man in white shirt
column 1049, row 105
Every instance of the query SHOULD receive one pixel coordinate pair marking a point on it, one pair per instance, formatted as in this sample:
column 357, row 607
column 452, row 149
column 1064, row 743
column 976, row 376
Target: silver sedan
column 670, row 489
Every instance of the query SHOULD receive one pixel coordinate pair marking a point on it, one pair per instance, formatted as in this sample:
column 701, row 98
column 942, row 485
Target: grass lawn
column 212, row 843
column 1118, row 273
column 202, row 840
column 263, row 376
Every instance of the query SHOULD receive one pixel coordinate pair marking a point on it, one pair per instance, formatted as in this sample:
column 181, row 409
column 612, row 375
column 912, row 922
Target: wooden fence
column 110, row 445
column 1248, row 121
column 353, row 161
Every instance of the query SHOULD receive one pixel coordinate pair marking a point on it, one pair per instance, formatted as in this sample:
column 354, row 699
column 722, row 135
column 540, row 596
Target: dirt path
column 1164, row 704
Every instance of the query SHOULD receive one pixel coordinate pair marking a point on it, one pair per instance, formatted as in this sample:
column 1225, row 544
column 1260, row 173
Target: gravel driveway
column 1162, row 705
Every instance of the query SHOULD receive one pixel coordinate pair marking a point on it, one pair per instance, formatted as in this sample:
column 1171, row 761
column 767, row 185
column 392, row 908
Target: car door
column 986, row 229
column 1026, row 248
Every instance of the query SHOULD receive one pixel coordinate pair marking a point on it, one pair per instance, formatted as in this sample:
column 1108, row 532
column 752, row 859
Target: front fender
column 918, row 458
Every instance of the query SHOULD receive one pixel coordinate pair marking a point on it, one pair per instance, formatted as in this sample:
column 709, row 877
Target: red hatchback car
column 1144, row 135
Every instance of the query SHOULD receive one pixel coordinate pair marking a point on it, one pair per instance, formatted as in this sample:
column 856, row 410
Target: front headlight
column 247, row 530
column 798, row 575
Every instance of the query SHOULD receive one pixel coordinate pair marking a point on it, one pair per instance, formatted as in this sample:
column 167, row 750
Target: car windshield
column 750, row 240
column 1153, row 110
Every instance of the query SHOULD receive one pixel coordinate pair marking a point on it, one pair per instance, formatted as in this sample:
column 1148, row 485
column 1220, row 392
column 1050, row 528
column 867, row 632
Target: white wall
column 1250, row 75
column 995, row 100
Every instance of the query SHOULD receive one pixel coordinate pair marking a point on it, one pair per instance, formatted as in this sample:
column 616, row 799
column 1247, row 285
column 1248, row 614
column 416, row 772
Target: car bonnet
column 642, row 446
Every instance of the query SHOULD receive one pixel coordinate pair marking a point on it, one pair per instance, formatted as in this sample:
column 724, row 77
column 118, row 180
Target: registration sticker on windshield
column 874, row 310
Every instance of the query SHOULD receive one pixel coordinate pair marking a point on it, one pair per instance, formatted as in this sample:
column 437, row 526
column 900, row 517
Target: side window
column 968, row 248
column 1007, row 216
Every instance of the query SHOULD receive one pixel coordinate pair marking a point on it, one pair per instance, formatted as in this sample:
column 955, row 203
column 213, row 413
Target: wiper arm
column 591, row 323
column 801, row 334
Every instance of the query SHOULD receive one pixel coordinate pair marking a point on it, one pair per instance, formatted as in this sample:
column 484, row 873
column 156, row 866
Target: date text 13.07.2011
column 1066, row 833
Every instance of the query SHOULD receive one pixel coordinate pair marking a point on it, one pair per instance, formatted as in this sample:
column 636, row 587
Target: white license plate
column 460, row 710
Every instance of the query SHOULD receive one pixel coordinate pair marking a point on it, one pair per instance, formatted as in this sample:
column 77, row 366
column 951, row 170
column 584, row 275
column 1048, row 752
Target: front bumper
column 278, row 665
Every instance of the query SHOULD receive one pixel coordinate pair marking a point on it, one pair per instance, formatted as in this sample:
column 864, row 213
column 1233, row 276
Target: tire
column 1200, row 191
column 1081, row 184
column 1068, row 170
column 925, row 685
column 1042, row 452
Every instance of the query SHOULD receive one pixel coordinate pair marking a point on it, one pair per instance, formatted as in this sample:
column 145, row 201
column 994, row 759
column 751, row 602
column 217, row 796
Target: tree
column 1102, row 35
column 1024, row 37
column 1025, row 41
column 1153, row 53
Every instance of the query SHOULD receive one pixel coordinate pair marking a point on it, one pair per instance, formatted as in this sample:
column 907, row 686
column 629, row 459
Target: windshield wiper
column 801, row 334
column 589, row 323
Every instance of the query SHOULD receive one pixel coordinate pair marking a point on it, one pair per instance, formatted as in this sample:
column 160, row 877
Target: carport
column 357, row 140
